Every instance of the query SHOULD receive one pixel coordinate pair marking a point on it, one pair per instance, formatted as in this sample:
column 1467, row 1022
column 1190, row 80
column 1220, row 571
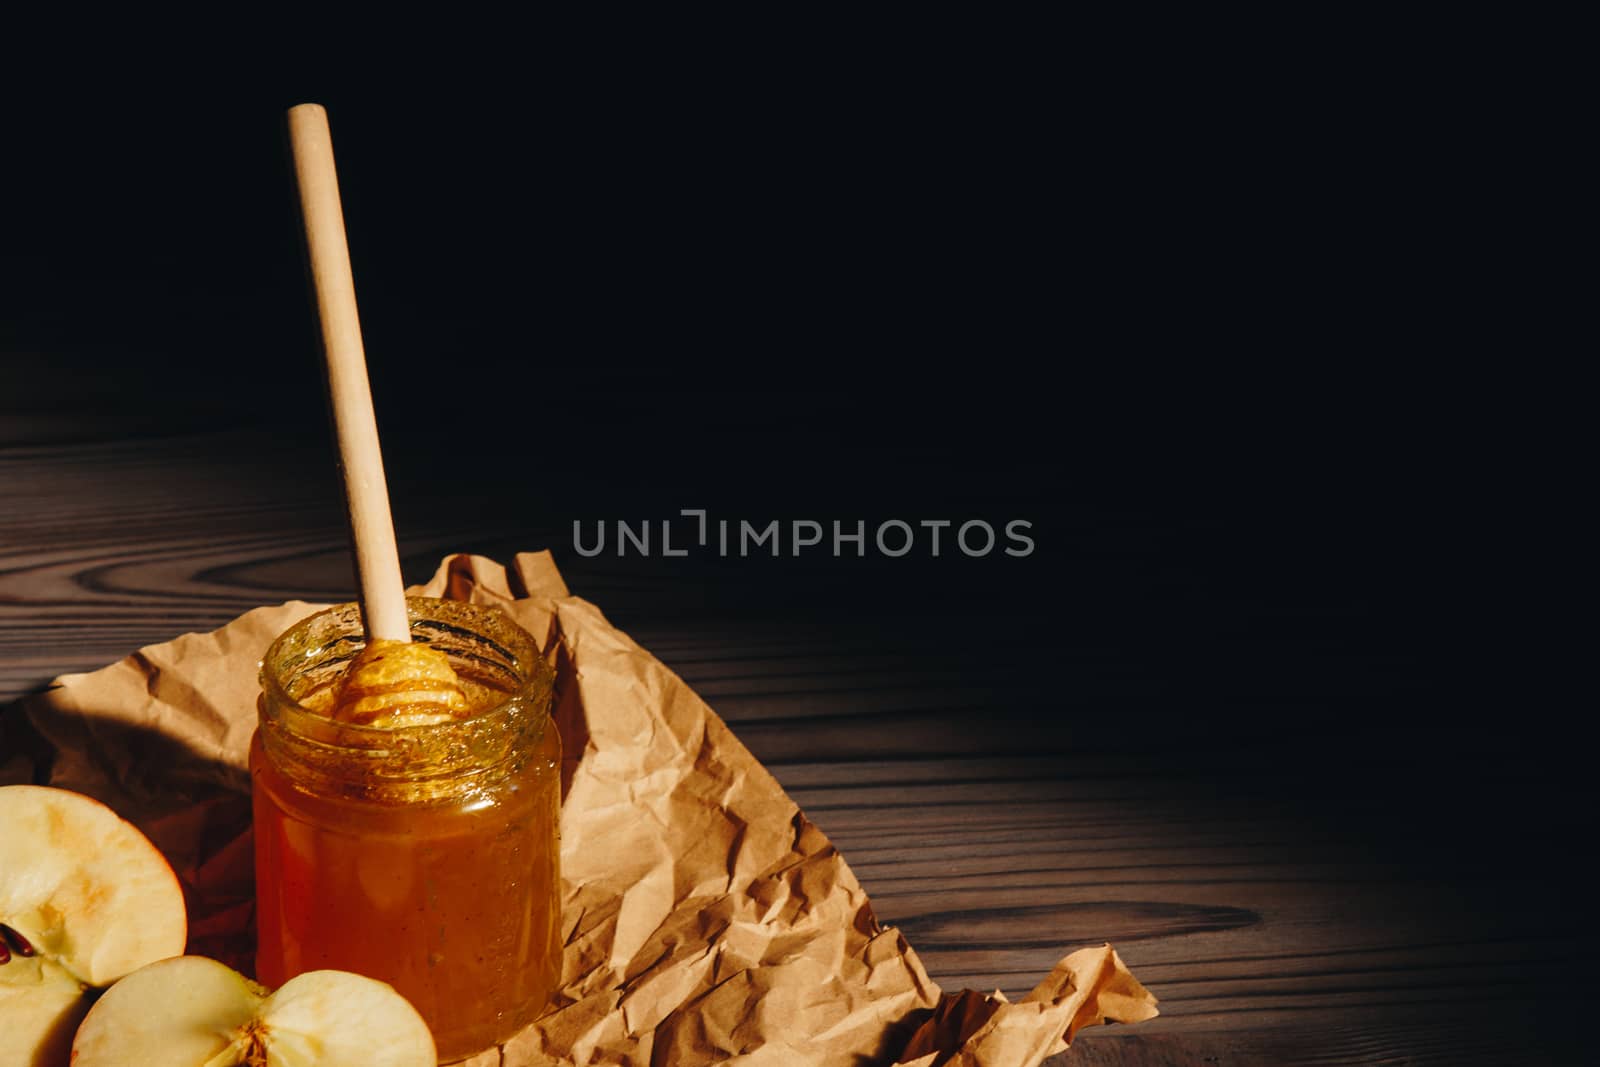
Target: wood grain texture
column 996, row 837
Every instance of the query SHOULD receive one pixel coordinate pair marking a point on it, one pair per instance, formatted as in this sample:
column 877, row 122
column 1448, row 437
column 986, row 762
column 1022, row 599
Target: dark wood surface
column 1006, row 790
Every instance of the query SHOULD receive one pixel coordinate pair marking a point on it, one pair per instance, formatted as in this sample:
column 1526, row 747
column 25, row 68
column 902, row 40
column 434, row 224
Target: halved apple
column 196, row 1012
column 85, row 898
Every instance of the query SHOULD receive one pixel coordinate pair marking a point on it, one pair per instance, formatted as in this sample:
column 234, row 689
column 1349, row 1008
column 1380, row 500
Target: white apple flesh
column 196, row 1012
column 85, row 898
column 40, row 1006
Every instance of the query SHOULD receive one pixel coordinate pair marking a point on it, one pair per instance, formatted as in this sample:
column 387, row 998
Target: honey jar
column 426, row 856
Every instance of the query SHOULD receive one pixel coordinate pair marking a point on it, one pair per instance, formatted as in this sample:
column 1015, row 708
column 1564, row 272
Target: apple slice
column 41, row 1005
column 84, row 899
column 196, row 1012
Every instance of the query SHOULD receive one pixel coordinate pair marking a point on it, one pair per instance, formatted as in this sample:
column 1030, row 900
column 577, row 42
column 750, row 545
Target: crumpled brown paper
column 705, row 919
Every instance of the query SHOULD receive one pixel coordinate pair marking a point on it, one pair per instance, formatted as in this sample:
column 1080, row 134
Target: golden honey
column 424, row 856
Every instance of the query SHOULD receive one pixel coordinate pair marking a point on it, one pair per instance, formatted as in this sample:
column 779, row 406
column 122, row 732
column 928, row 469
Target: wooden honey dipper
column 392, row 682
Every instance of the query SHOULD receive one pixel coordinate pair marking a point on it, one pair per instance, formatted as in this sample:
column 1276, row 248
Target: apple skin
column 93, row 898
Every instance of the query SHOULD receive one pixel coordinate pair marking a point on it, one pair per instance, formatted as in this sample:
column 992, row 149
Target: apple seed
column 11, row 939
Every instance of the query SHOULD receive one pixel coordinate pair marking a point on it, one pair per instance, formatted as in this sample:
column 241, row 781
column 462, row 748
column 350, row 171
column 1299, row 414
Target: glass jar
column 423, row 856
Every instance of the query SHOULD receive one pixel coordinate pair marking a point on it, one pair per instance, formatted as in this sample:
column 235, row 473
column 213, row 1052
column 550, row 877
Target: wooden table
column 1008, row 783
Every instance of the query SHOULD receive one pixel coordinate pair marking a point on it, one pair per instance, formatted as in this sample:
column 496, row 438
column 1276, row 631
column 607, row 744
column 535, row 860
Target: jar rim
column 511, row 638
column 428, row 761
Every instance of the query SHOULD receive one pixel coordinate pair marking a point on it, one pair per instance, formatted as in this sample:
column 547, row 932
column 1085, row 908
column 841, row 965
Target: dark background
column 1226, row 338
column 1231, row 320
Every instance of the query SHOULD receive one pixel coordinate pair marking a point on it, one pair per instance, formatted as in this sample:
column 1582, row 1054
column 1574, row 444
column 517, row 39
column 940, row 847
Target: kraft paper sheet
column 706, row 920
